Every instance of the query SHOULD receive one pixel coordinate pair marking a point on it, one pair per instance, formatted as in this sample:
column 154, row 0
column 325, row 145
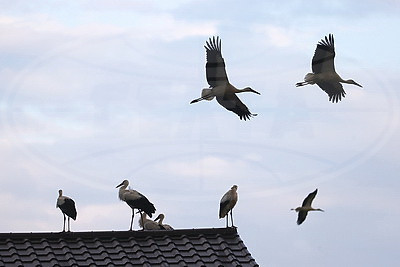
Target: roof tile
column 186, row 247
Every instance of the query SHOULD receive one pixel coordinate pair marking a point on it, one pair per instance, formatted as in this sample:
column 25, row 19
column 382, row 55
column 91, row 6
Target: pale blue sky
column 95, row 92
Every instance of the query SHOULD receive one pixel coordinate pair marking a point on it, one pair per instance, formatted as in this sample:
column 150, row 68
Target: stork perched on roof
column 228, row 201
column 219, row 84
column 161, row 217
column 147, row 224
column 67, row 207
column 324, row 74
column 135, row 200
column 306, row 207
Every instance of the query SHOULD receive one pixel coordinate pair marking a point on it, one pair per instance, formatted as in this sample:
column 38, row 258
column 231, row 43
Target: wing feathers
column 215, row 66
column 234, row 104
column 301, row 217
column 324, row 55
column 308, row 200
column 142, row 204
column 68, row 207
column 334, row 90
column 223, row 208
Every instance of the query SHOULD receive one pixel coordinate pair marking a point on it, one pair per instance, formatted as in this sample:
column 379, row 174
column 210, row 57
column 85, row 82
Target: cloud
column 38, row 32
column 208, row 167
column 168, row 28
column 100, row 217
column 26, row 213
column 276, row 36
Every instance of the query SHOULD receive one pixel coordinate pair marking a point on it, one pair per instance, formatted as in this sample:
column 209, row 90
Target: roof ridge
column 112, row 233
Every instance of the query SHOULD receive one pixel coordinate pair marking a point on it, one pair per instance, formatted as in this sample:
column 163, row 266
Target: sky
column 95, row 92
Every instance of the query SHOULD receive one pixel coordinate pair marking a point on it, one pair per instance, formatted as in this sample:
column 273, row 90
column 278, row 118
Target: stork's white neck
column 122, row 191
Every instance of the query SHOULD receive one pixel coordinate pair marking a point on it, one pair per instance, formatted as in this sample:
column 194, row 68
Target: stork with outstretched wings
column 220, row 88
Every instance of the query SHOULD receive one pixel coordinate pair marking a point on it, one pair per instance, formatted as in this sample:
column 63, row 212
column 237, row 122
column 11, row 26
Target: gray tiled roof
column 187, row 247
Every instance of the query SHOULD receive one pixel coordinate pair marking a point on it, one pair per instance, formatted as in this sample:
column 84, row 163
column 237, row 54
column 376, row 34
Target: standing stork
column 219, row 84
column 67, row 207
column 135, row 200
column 161, row 217
column 324, row 74
column 306, row 207
column 228, row 201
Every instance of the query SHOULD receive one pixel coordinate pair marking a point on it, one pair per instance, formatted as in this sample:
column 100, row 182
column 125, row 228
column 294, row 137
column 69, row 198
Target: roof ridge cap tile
column 113, row 233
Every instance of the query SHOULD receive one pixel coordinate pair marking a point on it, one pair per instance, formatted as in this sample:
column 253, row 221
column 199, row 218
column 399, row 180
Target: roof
column 186, row 247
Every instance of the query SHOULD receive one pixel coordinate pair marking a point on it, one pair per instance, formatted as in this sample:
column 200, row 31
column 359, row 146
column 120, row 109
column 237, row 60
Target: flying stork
column 228, row 201
column 324, row 74
column 67, row 207
column 219, row 84
column 161, row 217
column 306, row 207
column 135, row 200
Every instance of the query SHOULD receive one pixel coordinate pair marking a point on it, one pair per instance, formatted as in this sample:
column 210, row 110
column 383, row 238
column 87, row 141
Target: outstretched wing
column 215, row 66
column 324, row 56
column 231, row 102
column 301, row 217
column 308, row 200
column 334, row 90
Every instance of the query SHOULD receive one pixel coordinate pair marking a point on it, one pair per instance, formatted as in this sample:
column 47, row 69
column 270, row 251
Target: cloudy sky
column 95, row 92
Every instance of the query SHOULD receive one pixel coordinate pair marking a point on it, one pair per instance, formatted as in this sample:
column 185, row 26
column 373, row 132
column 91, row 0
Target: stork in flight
column 324, row 74
column 67, row 207
column 219, row 84
column 161, row 217
column 135, row 200
column 227, row 203
column 306, row 207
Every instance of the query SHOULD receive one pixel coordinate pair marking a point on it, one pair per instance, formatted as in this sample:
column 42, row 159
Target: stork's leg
column 201, row 98
column 141, row 218
column 227, row 220
column 133, row 215
column 64, row 223
column 69, row 221
column 231, row 217
column 196, row 100
column 301, row 84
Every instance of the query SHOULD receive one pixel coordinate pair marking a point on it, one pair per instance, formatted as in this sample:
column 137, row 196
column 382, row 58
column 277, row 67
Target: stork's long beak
column 119, row 185
column 358, row 84
column 196, row 100
column 254, row 91
column 158, row 217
